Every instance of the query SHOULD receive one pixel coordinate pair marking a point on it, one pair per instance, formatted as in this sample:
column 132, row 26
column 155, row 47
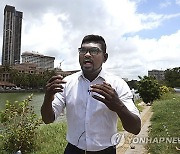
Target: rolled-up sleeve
column 126, row 96
column 58, row 104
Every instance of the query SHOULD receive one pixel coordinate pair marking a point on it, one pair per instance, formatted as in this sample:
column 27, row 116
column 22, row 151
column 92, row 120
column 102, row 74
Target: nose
column 87, row 54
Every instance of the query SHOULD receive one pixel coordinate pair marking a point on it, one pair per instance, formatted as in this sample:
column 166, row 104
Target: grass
column 51, row 138
column 140, row 107
column 165, row 122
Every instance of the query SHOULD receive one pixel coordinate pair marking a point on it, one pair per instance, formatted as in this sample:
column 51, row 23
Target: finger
column 99, row 99
column 58, row 77
column 54, row 85
column 101, row 92
column 103, row 87
column 58, row 90
column 57, row 81
column 107, row 84
column 53, row 90
column 105, row 101
column 99, row 86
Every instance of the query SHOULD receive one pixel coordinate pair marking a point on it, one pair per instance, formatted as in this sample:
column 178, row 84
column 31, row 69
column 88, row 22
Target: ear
column 105, row 57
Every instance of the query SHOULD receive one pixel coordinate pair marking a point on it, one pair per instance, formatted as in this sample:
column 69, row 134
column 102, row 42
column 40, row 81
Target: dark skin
column 130, row 121
column 53, row 86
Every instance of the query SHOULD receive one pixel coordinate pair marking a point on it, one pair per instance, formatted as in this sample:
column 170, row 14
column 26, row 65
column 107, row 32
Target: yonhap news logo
column 119, row 139
column 155, row 140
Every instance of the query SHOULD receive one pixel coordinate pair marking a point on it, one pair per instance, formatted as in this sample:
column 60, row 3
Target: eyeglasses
column 92, row 51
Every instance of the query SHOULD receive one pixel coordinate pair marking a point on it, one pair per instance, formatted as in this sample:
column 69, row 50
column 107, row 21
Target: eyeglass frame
column 89, row 50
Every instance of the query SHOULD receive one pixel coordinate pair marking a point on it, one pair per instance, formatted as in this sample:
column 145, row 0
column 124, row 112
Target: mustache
column 88, row 60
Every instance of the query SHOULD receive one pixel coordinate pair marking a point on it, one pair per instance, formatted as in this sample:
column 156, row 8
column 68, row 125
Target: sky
column 141, row 35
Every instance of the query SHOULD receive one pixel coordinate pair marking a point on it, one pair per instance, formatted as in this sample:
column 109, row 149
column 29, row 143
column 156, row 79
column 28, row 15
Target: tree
column 27, row 80
column 172, row 77
column 148, row 89
column 133, row 84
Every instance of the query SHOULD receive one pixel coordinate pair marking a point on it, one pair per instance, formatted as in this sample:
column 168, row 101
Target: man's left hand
column 110, row 97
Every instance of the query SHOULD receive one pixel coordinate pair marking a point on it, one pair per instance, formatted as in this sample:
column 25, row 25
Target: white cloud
column 153, row 20
column 165, row 4
column 138, row 55
column 178, row 2
column 43, row 35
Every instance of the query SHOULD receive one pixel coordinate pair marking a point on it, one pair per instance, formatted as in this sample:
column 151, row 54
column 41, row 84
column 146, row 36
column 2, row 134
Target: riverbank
column 21, row 90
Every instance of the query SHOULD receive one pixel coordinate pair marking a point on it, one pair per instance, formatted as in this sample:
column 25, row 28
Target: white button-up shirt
column 91, row 124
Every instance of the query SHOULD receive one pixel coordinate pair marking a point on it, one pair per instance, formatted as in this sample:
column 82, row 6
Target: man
column 94, row 100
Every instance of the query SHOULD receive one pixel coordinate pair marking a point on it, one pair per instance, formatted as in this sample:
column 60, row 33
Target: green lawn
column 165, row 123
column 51, row 138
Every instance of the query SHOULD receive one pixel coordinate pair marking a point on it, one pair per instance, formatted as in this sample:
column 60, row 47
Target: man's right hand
column 53, row 86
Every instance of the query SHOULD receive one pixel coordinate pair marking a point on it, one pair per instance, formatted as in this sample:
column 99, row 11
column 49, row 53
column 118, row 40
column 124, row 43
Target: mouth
column 88, row 63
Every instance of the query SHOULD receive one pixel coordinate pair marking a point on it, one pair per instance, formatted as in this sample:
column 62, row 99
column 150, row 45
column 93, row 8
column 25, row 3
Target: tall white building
column 40, row 60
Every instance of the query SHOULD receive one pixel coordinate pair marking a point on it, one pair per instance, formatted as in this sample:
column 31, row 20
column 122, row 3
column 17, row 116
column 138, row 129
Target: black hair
column 95, row 39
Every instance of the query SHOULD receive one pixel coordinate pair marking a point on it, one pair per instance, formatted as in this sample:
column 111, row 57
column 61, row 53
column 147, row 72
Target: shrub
column 19, row 124
column 148, row 89
column 164, row 90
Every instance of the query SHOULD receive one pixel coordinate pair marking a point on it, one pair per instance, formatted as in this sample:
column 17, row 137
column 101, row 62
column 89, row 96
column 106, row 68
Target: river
column 36, row 102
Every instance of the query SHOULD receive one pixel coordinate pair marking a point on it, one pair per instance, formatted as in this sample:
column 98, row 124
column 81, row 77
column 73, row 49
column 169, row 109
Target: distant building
column 45, row 62
column 27, row 68
column 5, row 76
column 11, row 50
column 158, row 74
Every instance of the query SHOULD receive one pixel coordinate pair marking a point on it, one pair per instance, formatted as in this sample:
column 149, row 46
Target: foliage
column 26, row 80
column 172, row 77
column 171, row 90
column 139, row 105
column 133, row 84
column 5, row 68
column 164, row 90
column 148, row 88
column 51, row 138
column 19, row 124
column 165, row 123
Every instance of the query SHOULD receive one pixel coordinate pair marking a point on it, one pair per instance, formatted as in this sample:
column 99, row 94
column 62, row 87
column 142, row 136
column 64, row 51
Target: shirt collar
column 102, row 75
